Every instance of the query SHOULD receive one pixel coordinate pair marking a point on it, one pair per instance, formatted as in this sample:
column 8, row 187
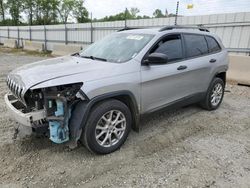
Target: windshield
column 119, row 47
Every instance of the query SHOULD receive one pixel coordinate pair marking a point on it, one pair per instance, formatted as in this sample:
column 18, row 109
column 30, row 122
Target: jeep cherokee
column 98, row 95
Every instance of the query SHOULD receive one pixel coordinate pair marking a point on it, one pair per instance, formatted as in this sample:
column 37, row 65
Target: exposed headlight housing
column 35, row 98
column 69, row 91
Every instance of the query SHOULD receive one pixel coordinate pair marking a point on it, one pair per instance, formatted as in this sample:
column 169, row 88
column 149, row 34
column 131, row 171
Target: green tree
column 134, row 11
column 158, row 14
column 46, row 12
column 65, row 9
column 145, row 17
column 28, row 6
column 54, row 11
column 2, row 10
column 15, row 9
column 120, row 16
column 127, row 14
column 80, row 12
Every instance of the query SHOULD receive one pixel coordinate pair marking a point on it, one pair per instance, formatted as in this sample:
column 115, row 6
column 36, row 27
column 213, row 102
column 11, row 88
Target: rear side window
column 171, row 46
column 196, row 45
column 213, row 45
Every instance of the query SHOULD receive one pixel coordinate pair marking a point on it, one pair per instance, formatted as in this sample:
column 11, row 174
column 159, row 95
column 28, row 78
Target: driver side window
column 170, row 46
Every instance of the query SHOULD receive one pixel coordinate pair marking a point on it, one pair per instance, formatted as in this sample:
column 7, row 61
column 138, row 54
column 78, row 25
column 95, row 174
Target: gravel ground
column 188, row 147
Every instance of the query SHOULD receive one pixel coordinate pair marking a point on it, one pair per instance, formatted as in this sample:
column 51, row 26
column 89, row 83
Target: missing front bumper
column 16, row 108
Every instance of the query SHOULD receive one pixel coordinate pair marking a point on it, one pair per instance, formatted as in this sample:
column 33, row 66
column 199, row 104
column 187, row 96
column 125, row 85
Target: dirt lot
column 189, row 147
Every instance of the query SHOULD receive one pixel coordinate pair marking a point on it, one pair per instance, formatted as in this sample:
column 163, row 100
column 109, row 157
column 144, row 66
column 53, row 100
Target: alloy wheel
column 110, row 128
column 217, row 94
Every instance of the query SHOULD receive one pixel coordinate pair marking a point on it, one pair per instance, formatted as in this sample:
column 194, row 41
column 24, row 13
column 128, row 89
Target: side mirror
column 156, row 59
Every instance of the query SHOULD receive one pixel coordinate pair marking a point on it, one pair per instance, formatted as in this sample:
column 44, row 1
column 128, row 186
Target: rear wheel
column 214, row 95
column 107, row 127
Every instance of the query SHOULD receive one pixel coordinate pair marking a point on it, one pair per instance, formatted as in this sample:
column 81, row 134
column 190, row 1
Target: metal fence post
column 91, row 30
column 8, row 32
column 66, row 33
column 18, row 37
column 45, row 39
column 30, row 33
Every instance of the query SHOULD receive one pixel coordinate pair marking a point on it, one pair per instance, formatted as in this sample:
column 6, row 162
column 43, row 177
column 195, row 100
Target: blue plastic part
column 60, row 109
column 59, row 130
column 58, row 134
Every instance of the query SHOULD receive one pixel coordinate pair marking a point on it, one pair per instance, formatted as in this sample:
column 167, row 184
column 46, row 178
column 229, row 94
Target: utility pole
column 91, row 28
column 125, row 14
column 176, row 15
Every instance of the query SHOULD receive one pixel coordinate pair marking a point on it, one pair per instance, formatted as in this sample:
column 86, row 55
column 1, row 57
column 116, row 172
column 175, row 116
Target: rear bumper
column 15, row 108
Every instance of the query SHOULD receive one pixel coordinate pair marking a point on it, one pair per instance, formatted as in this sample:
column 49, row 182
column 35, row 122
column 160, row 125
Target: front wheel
column 214, row 95
column 107, row 127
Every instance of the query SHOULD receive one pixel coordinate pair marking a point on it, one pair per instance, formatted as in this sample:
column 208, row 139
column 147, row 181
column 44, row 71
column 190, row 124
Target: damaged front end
column 48, row 111
column 58, row 104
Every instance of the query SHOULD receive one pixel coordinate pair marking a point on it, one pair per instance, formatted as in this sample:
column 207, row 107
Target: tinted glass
column 196, row 45
column 171, row 46
column 213, row 46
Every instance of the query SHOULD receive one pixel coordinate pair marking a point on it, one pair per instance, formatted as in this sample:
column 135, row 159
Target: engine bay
column 58, row 103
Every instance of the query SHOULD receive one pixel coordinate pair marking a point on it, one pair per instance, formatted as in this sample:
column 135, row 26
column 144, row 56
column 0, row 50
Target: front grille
column 15, row 88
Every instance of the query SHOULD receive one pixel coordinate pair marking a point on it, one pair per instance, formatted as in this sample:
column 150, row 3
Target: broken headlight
column 68, row 91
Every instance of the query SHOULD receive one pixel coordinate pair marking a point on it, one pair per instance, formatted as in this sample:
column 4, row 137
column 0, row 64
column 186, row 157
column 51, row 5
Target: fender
column 86, row 107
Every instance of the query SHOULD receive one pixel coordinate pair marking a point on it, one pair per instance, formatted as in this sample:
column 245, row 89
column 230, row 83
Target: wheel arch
column 218, row 74
column 222, row 75
column 124, row 96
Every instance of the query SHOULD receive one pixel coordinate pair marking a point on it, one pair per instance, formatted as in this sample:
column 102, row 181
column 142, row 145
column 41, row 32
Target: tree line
column 133, row 14
column 47, row 12
column 40, row 12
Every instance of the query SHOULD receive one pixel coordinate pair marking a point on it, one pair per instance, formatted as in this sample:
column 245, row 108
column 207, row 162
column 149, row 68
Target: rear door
column 217, row 56
column 198, row 61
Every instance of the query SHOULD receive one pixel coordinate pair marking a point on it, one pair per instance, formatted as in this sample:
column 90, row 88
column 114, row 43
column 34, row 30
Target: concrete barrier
column 239, row 69
column 33, row 46
column 10, row 43
column 62, row 49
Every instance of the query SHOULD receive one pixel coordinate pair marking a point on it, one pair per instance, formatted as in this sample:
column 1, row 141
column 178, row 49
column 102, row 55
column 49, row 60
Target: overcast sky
column 101, row 8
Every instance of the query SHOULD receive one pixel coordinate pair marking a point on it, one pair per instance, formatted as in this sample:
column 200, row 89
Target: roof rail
column 199, row 27
column 128, row 28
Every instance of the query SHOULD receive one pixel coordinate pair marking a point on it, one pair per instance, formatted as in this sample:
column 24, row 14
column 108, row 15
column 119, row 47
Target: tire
column 209, row 103
column 101, row 125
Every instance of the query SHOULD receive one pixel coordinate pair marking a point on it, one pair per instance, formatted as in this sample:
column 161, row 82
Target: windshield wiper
column 76, row 54
column 94, row 58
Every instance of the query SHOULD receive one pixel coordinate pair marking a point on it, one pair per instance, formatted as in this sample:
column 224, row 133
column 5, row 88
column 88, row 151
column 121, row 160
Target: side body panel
column 163, row 84
column 221, row 64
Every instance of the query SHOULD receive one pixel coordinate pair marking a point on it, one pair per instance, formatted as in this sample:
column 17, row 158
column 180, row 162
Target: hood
column 39, row 72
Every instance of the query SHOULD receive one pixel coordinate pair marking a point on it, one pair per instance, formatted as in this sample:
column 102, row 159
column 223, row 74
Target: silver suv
column 98, row 95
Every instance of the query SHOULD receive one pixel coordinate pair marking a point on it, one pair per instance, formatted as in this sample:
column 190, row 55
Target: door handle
column 212, row 61
column 182, row 67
